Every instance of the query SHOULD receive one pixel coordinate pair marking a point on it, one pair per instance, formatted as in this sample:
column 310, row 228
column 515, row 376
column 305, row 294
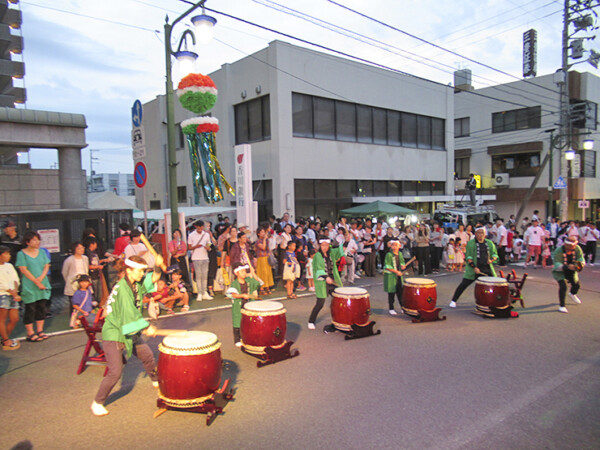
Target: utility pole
column 564, row 115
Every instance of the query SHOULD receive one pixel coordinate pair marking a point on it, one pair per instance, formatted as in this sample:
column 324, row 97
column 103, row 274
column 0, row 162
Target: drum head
column 491, row 280
column 190, row 339
column 263, row 306
column 419, row 282
column 350, row 291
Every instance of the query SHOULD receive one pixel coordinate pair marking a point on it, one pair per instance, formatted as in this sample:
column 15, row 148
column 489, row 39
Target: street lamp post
column 171, row 150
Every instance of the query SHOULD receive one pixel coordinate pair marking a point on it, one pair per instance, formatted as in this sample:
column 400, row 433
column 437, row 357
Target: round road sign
column 140, row 174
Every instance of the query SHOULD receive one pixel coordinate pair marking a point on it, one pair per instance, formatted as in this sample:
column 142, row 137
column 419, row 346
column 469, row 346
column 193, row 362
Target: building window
column 302, row 107
column 379, row 126
column 182, row 194
column 252, row 121
column 462, row 127
column 516, row 165
column 154, row 204
column 409, row 130
column 517, row 119
column 345, row 121
column 438, row 134
column 393, row 128
column 462, row 168
column 322, row 118
column 423, row 132
column 365, row 124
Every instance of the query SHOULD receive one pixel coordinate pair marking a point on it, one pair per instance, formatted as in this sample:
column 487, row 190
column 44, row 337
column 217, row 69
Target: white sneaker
column 98, row 409
column 311, row 326
column 574, row 298
column 452, row 304
column 199, row 298
column 238, row 344
column 206, row 296
column 393, row 312
column 563, row 309
column 155, row 384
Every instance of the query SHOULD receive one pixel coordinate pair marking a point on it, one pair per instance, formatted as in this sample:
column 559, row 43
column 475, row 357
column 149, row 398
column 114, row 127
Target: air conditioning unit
column 502, row 179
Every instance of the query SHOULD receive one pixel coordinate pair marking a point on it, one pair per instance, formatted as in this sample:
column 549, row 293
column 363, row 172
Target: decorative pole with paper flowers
column 203, row 34
column 198, row 93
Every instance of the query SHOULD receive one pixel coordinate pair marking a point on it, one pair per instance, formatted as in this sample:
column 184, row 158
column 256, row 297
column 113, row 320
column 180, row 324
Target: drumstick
column 153, row 331
column 410, row 261
column 151, row 250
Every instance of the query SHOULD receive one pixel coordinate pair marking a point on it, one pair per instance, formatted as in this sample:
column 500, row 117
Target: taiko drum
column 350, row 306
column 418, row 294
column 491, row 292
column 189, row 368
column 263, row 325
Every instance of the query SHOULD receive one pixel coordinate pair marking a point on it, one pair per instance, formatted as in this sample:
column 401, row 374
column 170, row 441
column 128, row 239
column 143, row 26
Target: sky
column 97, row 57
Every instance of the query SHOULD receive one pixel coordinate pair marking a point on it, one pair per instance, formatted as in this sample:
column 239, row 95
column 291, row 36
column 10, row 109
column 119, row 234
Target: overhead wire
column 428, row 42
column 381, row 45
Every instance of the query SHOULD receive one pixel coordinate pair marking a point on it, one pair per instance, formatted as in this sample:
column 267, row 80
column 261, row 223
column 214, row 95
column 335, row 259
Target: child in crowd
column 546, row 251
column 291, row 269
column 160, row 299
column 309, row 270
column 82, row 301
column 517, row 247
column 459, row 255
column 451, row 255
column 242, row 290
column 9, row 298
column 178, row 290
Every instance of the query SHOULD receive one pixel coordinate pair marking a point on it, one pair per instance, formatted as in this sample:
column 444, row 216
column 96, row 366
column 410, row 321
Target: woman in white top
column 74, row 265
column 135, row 247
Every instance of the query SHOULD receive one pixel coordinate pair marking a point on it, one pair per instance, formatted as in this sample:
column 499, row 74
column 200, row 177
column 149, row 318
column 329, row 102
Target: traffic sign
column 137, row 143
column 136, row 113
column 560, row 183
column 140, row 174
column 584, row 204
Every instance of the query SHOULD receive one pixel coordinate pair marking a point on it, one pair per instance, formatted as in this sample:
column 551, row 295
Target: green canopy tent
column 377, row 208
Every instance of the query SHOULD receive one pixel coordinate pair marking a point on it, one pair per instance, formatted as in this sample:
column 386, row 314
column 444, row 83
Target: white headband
column 135, row 265
column 237, row 269
column 394, row 241
column 321, row 241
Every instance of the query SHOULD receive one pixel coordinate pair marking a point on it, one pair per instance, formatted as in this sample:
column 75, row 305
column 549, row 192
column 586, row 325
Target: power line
column 100, row 19
column 427, row 42
column 357, row 58
column 379, row 44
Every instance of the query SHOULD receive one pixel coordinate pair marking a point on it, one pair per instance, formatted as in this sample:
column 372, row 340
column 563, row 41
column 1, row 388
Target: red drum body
column 491, row 292
column 418, row 294
column 263, row 325
column 189, row 368
column 350, row 305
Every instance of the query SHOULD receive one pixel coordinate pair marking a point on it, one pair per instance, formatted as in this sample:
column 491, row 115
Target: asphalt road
column 466, row 382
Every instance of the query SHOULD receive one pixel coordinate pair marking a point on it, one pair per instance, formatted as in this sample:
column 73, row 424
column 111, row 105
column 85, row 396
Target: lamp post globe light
column 186, row 59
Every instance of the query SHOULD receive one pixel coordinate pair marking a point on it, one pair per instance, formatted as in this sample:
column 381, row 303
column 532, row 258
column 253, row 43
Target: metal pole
column 550, row 176
column 171, row 150
column 564, row 114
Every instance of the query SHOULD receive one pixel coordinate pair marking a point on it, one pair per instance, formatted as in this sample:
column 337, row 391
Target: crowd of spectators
column 278, row 253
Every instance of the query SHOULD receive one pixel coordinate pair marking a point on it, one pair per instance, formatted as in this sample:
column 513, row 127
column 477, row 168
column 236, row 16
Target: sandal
column 33, row 338
column 185, row 308
column 292, row 296
column 43, row 336
column 14, row 345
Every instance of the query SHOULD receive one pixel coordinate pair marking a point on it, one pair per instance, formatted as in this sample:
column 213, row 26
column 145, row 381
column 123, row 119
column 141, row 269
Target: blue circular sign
column 136, row 113
column 140, row 174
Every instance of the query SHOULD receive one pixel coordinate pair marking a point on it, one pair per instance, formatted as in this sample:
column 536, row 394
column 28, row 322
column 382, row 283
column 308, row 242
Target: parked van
column 450, row 216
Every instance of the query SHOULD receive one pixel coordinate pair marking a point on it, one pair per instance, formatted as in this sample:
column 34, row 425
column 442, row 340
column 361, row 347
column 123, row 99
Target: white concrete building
column 121, row 184
column 502, row 133
column 326, row 133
